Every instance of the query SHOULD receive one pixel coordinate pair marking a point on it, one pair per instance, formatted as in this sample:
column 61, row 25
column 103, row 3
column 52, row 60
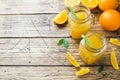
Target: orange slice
column 114, row 60
column 72, row 3
column 82, row 71
column 91, row 4
column 61, row 18
column 115, row 41
column 72, row 60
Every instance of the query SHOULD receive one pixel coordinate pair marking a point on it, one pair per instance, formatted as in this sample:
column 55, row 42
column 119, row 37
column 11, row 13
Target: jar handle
column 92, row 19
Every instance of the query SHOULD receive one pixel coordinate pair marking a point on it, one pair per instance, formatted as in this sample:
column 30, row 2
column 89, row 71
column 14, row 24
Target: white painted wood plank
column 29, row 6
column 33, row 6
column 37, row 26
column 56, row 73
column 35, row 51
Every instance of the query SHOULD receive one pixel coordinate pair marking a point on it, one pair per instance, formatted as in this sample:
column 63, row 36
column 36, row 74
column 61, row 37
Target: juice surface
column 77, row 28
column 96, row 41
column 89, row 56
column 81, row 15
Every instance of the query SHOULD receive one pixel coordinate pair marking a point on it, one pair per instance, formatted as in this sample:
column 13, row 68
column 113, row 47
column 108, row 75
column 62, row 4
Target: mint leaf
column 65, row 43
column 100, row 69
column 60, row 42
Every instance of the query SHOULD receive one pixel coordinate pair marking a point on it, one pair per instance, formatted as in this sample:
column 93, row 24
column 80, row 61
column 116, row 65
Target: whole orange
column 110, row 20
column 108, row 4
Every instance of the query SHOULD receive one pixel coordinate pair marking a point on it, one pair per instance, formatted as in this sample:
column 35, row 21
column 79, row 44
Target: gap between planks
column 53, row 65
column 29, row 14
column 69, row 37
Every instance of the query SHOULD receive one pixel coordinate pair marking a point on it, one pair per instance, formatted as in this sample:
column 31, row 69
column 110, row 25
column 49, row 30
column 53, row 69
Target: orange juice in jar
column 79, row 26
column 91, row 55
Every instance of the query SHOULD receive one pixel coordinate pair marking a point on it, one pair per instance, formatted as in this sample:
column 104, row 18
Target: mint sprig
column 100, row 69
column 60, row 42
column 63, row 42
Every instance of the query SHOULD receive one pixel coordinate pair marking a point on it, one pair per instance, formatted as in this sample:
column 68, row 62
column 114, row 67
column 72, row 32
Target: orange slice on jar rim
column 72, row 3
column 114, row 60
column 61, row 17
column 72, row 60
column 82, row 71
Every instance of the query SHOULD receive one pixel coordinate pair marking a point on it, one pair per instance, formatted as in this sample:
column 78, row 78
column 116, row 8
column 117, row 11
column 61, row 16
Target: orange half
column 61, row 18
column 72, row 60
column 72, row 3
column 91, row 4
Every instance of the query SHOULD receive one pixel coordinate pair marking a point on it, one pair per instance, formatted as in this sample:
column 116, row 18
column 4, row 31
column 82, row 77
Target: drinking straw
column 72, row 11
column 86, row 39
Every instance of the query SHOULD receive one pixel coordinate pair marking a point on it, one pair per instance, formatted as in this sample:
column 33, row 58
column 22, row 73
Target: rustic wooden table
column 28, row 49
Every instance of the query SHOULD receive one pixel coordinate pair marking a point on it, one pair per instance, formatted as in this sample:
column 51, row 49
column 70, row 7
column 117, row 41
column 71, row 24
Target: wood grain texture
column 33, row 6
column 29, row 6
column 55, row 73
column 39, row 26
column 43, row 51
column 28, row 49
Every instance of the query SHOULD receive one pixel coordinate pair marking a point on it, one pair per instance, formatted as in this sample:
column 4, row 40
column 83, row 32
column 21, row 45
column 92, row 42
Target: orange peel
column 83, row 71
column 72, row 60
column 114, row 60
column 115, row 41
column 61, row 17
column 91, row 4
column 72, row 3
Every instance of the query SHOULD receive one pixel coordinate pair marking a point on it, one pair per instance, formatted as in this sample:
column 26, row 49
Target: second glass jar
column 91, row 55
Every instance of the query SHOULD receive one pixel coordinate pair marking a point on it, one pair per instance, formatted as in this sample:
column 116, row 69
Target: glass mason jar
column 82, row 25
column 91, row 55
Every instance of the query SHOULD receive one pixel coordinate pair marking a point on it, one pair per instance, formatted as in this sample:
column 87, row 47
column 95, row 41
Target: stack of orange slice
column 91, row 4
column 72, row 3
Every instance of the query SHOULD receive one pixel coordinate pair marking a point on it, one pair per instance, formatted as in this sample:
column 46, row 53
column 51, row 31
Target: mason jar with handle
column 81, row 24
column 91, row 55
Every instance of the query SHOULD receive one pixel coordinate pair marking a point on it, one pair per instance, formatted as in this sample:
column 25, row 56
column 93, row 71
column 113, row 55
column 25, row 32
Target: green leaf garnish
column 63, row 42
column 88, row 42
column 72, row 11
column 100, row 69
column 60, row 42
